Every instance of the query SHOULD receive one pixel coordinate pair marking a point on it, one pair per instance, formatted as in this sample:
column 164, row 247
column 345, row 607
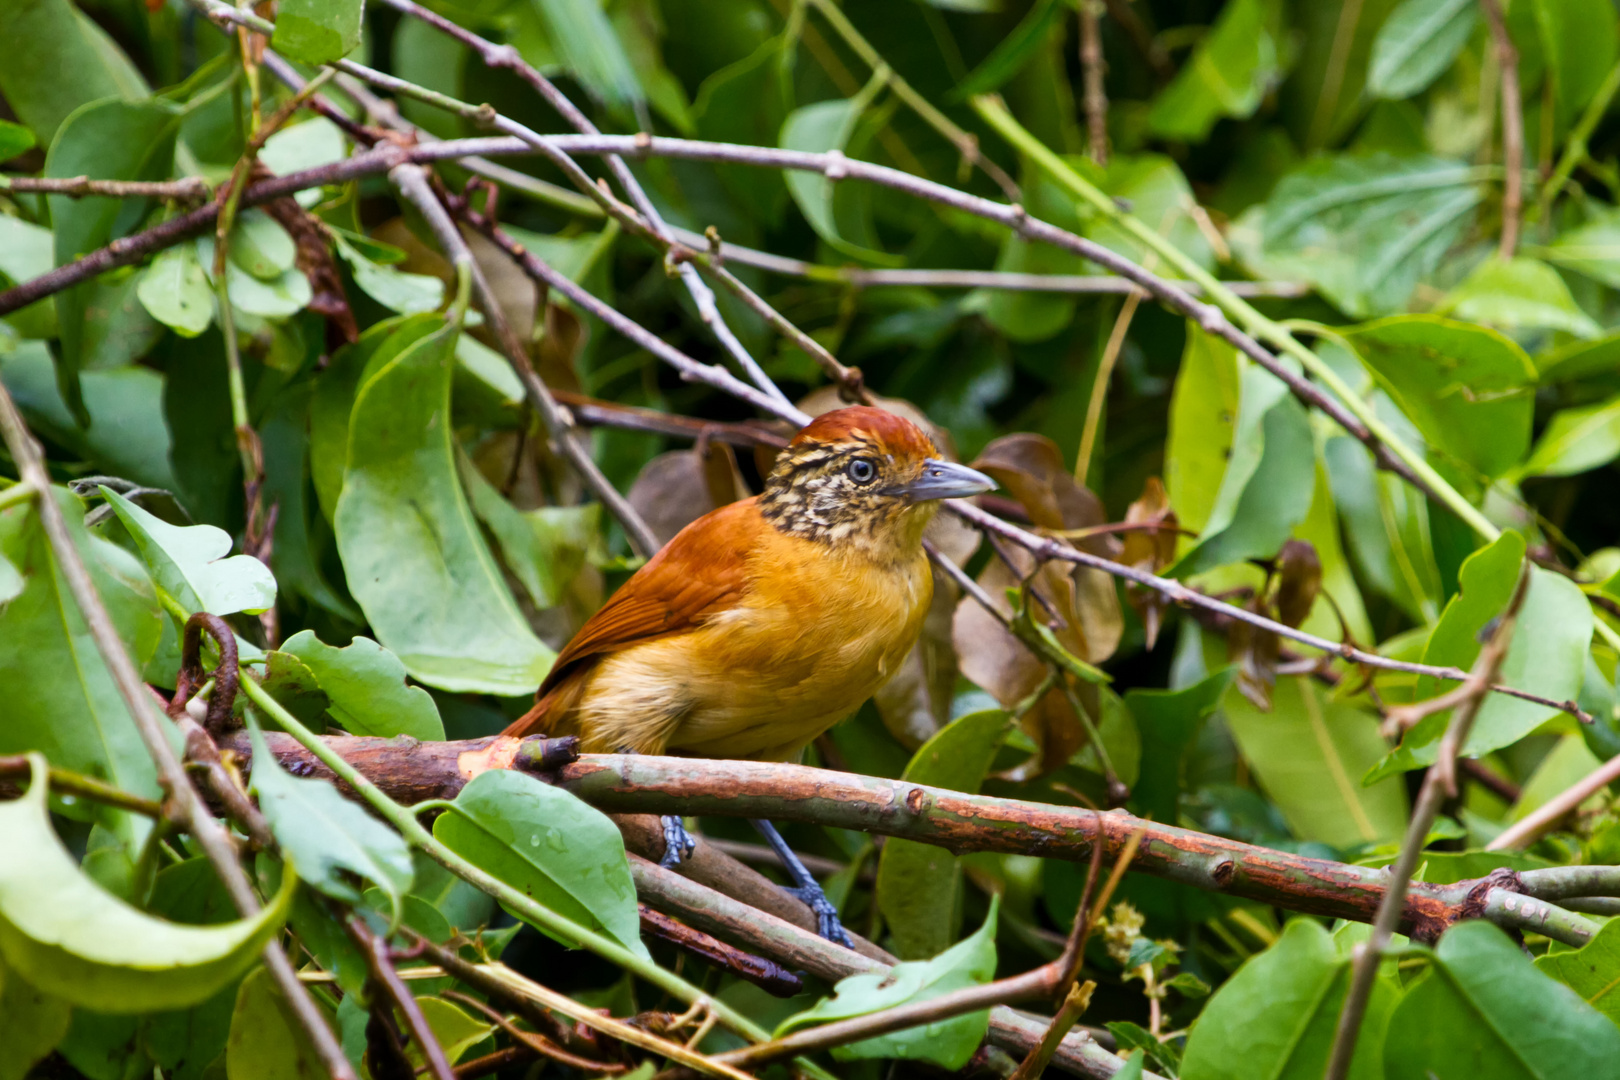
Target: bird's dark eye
column 862, row 471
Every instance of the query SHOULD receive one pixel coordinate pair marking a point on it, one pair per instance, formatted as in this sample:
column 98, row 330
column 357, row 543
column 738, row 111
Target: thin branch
column 386, row 980
column 214, row 840
column 1074, row 1006
column 1575, row 147
column 189, row 189
column 1440, row 782
column 411, row 181
column 768, row 975
column 80, row 786
column 1105, row 371
column 1528, row 829
column 538, row 1044
column 1094, row 68
column 1507, row 59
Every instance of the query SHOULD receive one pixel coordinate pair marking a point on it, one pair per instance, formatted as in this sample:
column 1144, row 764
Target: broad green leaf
column 1579, row 40
column 261, row 246
column 919, row 885
column 1203, row 424
column 1485, row 1013
column 638, row 30
column 1547, row 655
column 415, row 560
column 946, row 1043
column 286, row 294
column 1468, row 389
column 1364, row 229
column 408, row 294
column 1035, row 316
column 1266, row 487
column 1330, row 47
column 453, row 1028
column 27, row 251
column 1418, row 41
column 1159, row 197
column 267, row 1041
column 106, row 140
column 840, row 213
column 306, row 145
column 1576, row 440
column 1275, row 1018
column 1011, row 52
column 567, row 855
column 69, row 62
column 1592, row 971
column 176, row 291
column 67, row 936
column 366, row 688
column 746, row 102
column 1386, row 528
column 193, row 564
column 14, row 139
column 333, row 401
column 104, row 1047
column 318, row 31
column 60, row 699
column 1228, row 73
column 295, row 554
column 1579, row 360
column 544, row 548
column 1592, row 249
column 585, row 42
column 1309, row 754
column 31, row 1024
column 1519, row 294
column 322, row 835
column 1169, row 721
column 1568, row 762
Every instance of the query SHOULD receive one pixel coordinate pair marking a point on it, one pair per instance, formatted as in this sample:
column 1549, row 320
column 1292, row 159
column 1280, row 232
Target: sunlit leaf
column 193, row 564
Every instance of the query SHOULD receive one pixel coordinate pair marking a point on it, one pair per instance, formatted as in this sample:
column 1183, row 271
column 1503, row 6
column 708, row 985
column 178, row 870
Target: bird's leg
column 805, row 888
column 678, row 843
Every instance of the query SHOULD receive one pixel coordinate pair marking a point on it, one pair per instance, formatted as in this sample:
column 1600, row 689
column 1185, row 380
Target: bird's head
column 865, row 477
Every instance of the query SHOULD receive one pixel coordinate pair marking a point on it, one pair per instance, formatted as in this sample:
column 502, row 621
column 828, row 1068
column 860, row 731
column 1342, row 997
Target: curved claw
column 827, row 921
column 678, row 843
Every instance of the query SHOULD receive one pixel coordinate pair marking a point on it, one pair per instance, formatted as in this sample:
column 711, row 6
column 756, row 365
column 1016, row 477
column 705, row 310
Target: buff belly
column 760, row 681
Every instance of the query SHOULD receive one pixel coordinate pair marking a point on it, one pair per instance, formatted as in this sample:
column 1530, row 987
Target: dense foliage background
column 1438, row 252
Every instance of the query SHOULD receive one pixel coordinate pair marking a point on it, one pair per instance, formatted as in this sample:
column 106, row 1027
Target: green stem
column 1575, row 147
column 1235, row 307
column 526, row 907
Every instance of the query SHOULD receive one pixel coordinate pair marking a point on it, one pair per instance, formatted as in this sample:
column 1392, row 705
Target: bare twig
column 768, row 975
column 385, row 980
column 1440, row 782
column 189, row 807
column 1533, row 825
column 189, row 189
column 537, row 1043
column 1575, row 147
column 1099, row 385
column 80, row 786
column 1094, row 67
column 1507, row 59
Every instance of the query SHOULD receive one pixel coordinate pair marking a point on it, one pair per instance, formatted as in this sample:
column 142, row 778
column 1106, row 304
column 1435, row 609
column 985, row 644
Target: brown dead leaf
column 313, row 257
column 1150, row 550
column 677, row 488
column 916, row 702
column 1254, row 650
column 1299, row 580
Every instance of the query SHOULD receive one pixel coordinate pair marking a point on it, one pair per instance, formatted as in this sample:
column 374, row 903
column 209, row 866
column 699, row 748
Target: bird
column 763, row 623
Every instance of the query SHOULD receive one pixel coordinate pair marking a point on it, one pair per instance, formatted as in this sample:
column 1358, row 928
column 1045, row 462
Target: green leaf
column 1227, row 75
column 176, row 291
column 26, row 251
column 1266, row 488
column 1159, row 196
column 261, row 246
column 267, row 1041
column 1592, row 249
column 1275, row 1018
column 14, row 139
column 1418, row 41
column 1592, row 971
column 106, row 140
column 1579, row 41
column 286, row 294
column 415, row 560
column 318, row 31
column 1576, row 440
column 841, row 214
column 31, row 1024
column 1012, row 52
column 1519, row 294
column 60, row 699
column 296, row 554
column 408, row 294
column 306, row 145
column 919, row 885
column 1169, row 722
column 544, row 548
column 1469, row 390
column 946, row 1043
column 366, row 688
column 1484, row 1011
column 193, row 564
column 1309, row 754
column 453, row 1029
column 1387, row 529
column 69, row 62
column 1363, row 229
column 567, row 855
column 68, row 937
column 584, row 39
column 1203, row 425
column 322, row 834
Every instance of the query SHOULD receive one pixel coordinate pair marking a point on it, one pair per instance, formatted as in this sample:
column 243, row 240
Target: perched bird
column 765, row 622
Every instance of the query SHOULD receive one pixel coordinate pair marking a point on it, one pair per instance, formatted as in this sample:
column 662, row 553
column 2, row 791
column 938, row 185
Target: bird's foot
column 678, row 843
column 827, row 922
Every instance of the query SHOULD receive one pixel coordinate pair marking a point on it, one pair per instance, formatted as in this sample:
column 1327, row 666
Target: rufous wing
column 700, row 572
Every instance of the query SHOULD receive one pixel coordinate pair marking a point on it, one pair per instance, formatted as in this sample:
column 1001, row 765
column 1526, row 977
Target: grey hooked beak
column 947, row 480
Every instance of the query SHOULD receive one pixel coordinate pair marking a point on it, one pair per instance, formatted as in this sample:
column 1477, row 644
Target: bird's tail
column 542, row 718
